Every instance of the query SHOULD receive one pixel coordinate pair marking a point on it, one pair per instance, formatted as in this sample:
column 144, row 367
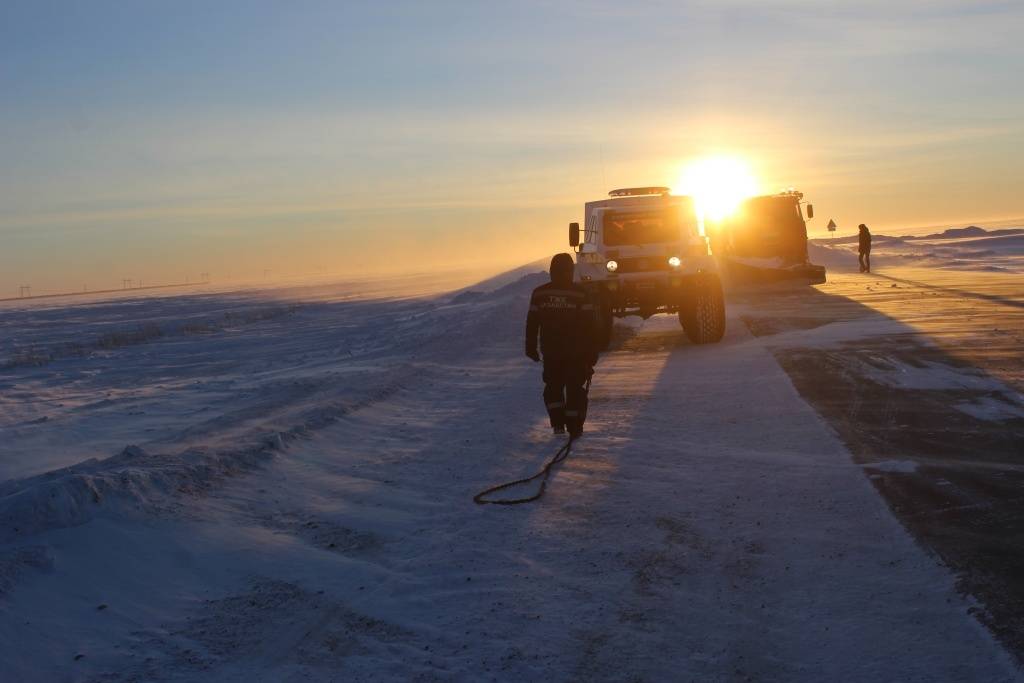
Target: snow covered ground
column 971, row 249
column 295, row 503
column 919, row 371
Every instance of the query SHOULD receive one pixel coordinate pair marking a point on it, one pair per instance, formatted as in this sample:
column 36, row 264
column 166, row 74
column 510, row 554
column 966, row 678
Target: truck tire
column 702, row 313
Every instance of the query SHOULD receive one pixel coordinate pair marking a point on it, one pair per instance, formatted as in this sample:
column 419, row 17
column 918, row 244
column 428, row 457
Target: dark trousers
column 865, row 261
column 565, row 395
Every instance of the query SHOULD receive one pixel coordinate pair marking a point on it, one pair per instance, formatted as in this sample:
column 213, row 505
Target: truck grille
column 643, row 264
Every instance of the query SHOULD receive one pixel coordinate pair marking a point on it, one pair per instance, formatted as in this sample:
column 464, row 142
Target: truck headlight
column 612, row 266
column 674, row 261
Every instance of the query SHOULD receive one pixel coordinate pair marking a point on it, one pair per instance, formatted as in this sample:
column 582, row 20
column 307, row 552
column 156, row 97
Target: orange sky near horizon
column 159, row 142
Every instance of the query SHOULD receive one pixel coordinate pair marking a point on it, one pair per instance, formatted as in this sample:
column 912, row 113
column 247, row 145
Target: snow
column 973, row 317
column 289, row 497
column 973, row 250
column 993, row 409
column 926, row 375
column 901, row 466
column 215, row 369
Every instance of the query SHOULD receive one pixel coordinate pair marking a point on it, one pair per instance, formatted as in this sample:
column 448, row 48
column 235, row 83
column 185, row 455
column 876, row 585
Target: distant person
column 864, row 248
column 562, row 314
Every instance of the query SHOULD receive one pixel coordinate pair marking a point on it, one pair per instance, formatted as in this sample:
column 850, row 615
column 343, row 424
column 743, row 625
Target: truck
column 765, row 241
column 642, row 251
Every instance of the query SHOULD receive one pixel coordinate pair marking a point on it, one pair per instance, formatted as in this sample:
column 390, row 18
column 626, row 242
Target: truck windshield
column 767, row 227
column 774, row 214
column 642, row 227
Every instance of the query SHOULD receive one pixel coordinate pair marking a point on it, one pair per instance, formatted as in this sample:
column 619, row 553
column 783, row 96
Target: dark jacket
column 562, row 314
column 864, row 242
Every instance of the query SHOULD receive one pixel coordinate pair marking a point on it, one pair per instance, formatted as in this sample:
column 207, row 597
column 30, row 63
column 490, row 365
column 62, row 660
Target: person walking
column 563, row 317
column 864, row 248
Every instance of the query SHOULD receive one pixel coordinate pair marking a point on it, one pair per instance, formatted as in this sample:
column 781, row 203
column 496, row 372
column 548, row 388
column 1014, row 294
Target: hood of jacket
column 561, row 270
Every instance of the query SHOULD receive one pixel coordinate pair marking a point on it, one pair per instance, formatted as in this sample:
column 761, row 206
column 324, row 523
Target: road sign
column 831, row 225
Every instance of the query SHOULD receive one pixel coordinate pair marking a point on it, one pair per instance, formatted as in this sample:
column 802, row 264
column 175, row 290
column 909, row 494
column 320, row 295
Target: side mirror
column 810, row 210
column 574, row 234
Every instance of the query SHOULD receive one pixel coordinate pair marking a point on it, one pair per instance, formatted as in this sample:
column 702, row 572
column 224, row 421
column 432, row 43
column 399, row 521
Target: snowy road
column 708, row 527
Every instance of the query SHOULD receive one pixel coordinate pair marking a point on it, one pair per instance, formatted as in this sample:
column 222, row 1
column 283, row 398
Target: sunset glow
column 338, row 139
column 718, row 185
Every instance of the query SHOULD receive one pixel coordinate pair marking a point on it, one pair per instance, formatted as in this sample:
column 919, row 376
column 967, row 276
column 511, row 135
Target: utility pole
column 24, row 291
column 205, row 276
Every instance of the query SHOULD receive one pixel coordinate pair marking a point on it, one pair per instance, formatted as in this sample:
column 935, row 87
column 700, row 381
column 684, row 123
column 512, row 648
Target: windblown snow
column 246, row 486
column 970, row 248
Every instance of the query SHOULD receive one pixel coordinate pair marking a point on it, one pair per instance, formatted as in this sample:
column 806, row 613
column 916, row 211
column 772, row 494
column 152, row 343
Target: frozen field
column 970, row 249
column 277, row 485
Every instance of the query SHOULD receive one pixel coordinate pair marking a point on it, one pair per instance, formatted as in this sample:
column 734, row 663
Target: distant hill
column 971, row 231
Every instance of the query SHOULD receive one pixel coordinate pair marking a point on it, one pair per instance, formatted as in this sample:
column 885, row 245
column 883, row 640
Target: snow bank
column 130, row 482
column 522, row 285
column 832, row 258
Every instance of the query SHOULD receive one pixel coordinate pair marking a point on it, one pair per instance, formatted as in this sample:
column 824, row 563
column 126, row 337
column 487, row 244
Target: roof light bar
column 639, row 191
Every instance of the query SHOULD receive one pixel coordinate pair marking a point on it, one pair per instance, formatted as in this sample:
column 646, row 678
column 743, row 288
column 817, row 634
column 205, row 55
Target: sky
column 159, row 140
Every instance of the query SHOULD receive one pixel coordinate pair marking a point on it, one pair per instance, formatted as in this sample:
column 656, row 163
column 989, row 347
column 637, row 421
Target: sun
column 718, row 185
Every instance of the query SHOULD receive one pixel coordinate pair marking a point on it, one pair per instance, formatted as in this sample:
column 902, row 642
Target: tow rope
column 543, row 475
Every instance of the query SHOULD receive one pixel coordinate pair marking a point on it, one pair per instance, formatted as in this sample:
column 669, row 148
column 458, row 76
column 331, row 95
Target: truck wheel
column 702, row 313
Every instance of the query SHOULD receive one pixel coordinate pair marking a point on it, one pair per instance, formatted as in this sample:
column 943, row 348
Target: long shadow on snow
column 963, row 498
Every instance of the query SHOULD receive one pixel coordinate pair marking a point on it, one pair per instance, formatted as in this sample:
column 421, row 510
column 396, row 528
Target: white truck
column 641, row 252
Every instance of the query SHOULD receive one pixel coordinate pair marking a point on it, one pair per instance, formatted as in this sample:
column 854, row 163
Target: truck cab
column 641, row 252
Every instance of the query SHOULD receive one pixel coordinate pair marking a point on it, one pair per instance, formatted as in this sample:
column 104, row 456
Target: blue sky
column 168, row 138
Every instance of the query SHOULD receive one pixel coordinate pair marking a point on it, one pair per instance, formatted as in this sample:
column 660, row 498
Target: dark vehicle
column 765, row 240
